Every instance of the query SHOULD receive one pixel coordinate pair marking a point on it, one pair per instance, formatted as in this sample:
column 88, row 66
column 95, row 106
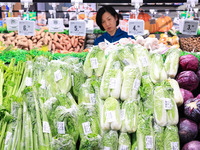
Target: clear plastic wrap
column 124, row 142
column 110, row 140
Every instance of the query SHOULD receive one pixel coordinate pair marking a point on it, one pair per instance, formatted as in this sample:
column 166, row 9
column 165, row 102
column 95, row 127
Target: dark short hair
column 100, row 13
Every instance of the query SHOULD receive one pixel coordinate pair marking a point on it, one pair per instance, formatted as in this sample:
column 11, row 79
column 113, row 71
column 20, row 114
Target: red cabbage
column 189, row 62
column 186, row 94
column 193, row 145
column 188, row 80
column 198, row 96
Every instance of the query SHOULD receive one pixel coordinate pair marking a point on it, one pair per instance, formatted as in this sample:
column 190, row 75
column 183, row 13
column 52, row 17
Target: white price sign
column 12, row 23
column 86, row 128
column 77, row 28
column 61, row 127
column 174, row 146
column 167, row 103
column 56, row 25
column 190, row 27
column 149, row 142
column 26, row 28
column 135, row 27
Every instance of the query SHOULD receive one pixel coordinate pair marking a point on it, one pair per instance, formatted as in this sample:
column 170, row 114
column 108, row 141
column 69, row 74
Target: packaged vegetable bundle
column 131, row 82
column 58, row 78
column 111, row 82
column 95, row 62
column 157, row 72
column 91, row 142
column 63, row 142
column 110, row 140
column 159, row 136
column 129, row 116
column 111, row 115
column 88, row 119
column 2, row 69
column 124, row 142
column 172, row 62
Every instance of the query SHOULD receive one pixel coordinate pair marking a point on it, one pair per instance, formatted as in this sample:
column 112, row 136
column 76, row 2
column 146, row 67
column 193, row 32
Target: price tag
column 190, row 27
column 152, row 21
column 110, row 116
column 12, row 23
column 167, row 103
column 135, row 27
column 144, row 61
column 86, row 128
column 92, row 98
column 72, row 80
column 123, row 147
column 77, row 28
column 174, row 146
column 55, row 25
column 136, row 84
column 125, row 61
column 106, row 148
column 43, row 84
column 46, row 127
column 8, row 136
column 149, row 142
column 61, row 127
column 113, row 82
column 122, row 114
column 94, row 63
column 28, row 81
column 26, row 28
column 176, row 20
column 57, row 75
column 89, row 26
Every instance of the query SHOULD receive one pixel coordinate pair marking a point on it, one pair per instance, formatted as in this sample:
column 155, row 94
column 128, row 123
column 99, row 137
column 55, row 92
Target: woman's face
column 109, row 22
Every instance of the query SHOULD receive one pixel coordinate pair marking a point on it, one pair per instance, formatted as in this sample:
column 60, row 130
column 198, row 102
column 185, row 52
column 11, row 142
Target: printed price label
column 167, row 103
column 77, row 28
column 190, row 27
column 43, row 84
column 28, row 81
column 110, row 116
column 55, row 25
column 174, row 146
column 113, row 82
column 176, row 20
column 58, row 75
column 123, row 147
column 136, row 27
column 46, row 127
column 86, row 128
column 106, row 148
column 136, row 84
column 94, row 63
column 72, row 80
column 122, row 114
column 152, row 21
column 8, row 136
column 125, row 61
column 144, row 61
column 26, row 28
column 61, row 127
column 12, row 23
column 92, row 98
column 149, row 142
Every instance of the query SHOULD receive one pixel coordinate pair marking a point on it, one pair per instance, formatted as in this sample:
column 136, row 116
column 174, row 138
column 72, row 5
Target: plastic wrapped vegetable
column 177, row 92
column 111, row 82
column 110, row 140
column 142, row 58
column 146, row 92
column 111, row 114
column 159, row 137
column 145, row 133
column 66, row 122
column 88, row 119
column 91, row 142
column 172, row 62
column 171, row 138
column 67, row 100
column 124, row 142
column 63, row 142
column 157, row 72
column 95, row 62
column 58, row 78
column 129, row 116
column 131, row 83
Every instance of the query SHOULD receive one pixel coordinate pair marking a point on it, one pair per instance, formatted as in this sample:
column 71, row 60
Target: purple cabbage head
column 189, row 62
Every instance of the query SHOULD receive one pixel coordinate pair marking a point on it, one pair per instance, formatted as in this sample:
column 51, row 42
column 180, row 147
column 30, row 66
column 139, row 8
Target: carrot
column 56, row 36
column 73, row 40
column 57, row 45
column 41, row 30
column 30, row 43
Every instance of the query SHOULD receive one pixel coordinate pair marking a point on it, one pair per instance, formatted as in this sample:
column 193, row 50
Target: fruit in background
column 165, row 23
